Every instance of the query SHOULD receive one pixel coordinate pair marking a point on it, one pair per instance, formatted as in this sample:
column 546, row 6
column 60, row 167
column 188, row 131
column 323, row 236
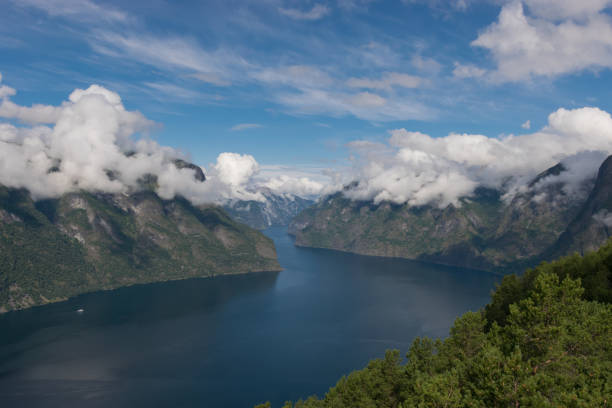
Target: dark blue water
column 230, row 341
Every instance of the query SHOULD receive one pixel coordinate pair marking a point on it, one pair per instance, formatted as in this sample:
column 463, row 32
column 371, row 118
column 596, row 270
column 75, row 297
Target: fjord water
column 230, row 341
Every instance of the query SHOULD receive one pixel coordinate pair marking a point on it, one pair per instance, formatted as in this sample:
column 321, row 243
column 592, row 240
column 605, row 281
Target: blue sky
column 294, row 82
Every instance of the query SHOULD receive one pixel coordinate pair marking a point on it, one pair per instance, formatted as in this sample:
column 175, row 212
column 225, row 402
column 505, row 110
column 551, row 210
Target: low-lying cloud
column 418, row 169
column 91, row 142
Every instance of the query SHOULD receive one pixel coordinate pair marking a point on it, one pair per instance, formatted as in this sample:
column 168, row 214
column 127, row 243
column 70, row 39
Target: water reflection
column 230, row 341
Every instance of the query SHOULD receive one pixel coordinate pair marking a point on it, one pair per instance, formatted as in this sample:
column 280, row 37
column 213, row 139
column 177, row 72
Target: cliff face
column 593, row 224
column 54, row 249
column 275, row 210
column 485, row 230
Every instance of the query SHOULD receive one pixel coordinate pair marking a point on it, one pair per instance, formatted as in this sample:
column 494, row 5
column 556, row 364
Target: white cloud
column 375, row 54
column 526, row 125
column 386, row 82
column 428, row 65
column 561, row 37
column 563, row 9
column 364, row 105
column 467, row 71
column 245, row 126
column 92, row 135
column 219, row 67
column 236, row 169
column 81, row 10
column 317, row 12
column 33, row 114
column 445, row 7
column 351, row 5
column 298, row 76
column 165, row 91
column 301, row 180
column 300, row 186
column 366, row 100
column 315, row 92
column 417, row 169
column 6, row 91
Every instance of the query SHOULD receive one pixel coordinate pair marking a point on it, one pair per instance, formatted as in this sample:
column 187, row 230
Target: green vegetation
column 54, row 249
column 545, row 340
column 483, row 231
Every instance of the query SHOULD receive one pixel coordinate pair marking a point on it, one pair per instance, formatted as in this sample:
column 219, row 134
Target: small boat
column 80, row 310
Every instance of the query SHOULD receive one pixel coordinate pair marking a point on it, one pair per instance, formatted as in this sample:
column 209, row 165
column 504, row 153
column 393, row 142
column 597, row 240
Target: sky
column 304, row 96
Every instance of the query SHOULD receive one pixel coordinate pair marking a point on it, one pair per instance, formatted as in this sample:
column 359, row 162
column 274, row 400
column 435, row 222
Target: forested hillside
column 492, row 229
column 545, row 340
column 51, row 250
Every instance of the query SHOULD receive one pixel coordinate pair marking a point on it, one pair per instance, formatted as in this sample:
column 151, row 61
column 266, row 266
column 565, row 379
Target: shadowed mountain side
column 275, row 210
column 54, row 249
column 483, row 231
column 591, row 227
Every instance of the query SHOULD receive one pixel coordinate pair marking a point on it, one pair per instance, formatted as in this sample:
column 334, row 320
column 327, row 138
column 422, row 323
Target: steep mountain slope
column 486, row 230
column 592, row 225
column 54, row 249
column 275, row 210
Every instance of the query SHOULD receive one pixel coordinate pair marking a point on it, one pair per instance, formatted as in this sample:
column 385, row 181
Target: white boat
column 80, row 310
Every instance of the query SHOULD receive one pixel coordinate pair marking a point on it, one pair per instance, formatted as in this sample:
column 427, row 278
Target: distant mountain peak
column 555, row 170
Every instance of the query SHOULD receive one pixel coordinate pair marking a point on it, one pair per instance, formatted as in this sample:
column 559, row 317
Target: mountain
column 488, row 230
column 275, row 210
column 592, row 224
column 57, row 248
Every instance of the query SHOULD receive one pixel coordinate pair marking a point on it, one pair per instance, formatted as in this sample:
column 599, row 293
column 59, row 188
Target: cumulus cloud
column 557, row 37
column 91, row 142
column 32, row 114
column 418, row 169
column 526, row 124
column 235, row 169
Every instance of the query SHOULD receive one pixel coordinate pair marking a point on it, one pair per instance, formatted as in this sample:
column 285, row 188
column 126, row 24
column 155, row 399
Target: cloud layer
column 418, row 169
column 91, row 142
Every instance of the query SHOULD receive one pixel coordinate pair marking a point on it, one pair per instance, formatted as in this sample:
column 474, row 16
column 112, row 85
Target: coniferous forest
column 544, row 340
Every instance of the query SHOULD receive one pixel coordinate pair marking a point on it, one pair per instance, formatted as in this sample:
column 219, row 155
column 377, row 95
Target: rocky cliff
column 273, row 210
column 54, row 249
column 490, row 229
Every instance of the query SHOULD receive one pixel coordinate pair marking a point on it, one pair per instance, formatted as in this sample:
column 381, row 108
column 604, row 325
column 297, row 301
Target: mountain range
column 273, row 210
column 56, row 248
column 490, row 230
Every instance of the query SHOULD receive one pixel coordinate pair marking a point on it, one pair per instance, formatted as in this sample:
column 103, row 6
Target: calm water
column 230, row 341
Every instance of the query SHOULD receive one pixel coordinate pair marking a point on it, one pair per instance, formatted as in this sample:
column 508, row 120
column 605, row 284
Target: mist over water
column 230, row 341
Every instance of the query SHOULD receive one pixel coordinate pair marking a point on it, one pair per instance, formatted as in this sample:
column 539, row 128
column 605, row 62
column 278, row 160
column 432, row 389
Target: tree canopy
column 545, row 340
